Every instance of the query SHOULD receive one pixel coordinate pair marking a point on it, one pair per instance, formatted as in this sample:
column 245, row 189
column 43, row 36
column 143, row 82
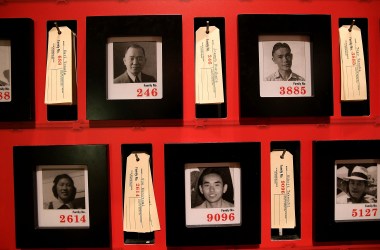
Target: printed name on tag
column 61, row 78
column 352, row 65
column 208, row 66
column 140, row 210
column 282, row 190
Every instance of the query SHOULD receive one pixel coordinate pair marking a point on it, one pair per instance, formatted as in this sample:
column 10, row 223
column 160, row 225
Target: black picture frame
column 154, row 111
column 318, row 29
column 249, row 156
column 325, row 228
column 21, row 107
column 218, row 110
column 126, row 150
column 62, row 112
column 26, row 159
column 294, row 147
column 358, row 108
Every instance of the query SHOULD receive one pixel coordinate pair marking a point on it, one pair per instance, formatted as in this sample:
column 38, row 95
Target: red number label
column 209, row 59
column 72, row 219
column 364, row 212
column 5, row 95
column 218, row 217
column 60, row 60
column 147, row 92
column 296, row 90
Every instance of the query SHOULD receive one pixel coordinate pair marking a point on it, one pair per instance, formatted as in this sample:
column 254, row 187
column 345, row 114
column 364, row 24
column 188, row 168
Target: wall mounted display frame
column 294, row 148
column 310, row 39
column 126, row 150
column 84, row 226
column 218, row 110
column 103, row 34
column 16, row 82
column 358, row 108
column 333, row 170
column 241, row 156
column 62, row 112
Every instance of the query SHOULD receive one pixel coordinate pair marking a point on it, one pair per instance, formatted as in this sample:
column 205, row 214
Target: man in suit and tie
column 134, row 60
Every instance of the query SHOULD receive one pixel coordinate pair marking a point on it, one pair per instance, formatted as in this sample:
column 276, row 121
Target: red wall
column 194, row 130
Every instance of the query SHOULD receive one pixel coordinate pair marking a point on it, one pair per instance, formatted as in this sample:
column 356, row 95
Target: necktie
column 137, row 79
column 64, row 206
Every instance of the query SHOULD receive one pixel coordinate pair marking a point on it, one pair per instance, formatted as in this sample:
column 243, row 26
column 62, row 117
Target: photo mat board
column 212, row 192
column 90, row 159
column 357, row 192
column 333, row 163
column 17, row 92
column 119, row 85
column 316, row 28
column 297, row 58
column 100, row 29
column 62, row 196
column 178, row 158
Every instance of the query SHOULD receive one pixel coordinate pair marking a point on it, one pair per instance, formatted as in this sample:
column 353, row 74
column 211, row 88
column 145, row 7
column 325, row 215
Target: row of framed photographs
column 156, row 43
column 219, row 185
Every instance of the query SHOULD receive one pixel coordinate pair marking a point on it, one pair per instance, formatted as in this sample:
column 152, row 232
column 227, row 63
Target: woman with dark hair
column 64, row 190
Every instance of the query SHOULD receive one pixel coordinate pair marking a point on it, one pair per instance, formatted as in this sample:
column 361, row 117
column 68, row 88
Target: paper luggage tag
column 352, row 67
column 282, row 190
column 208, row 66
column 140, row 210
column 61, row 78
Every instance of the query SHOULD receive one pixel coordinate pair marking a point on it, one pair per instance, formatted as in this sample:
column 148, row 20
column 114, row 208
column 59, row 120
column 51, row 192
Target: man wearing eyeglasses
column 134, row 60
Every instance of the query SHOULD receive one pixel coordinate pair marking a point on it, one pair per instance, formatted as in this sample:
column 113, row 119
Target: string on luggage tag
column 352, row 24
column 283, row 152
column 56, row 26
column 137, row 157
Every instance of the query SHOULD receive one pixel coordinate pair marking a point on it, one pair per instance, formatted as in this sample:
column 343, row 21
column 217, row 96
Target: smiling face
column 212, row 188
column 283, row 58
column 65, row 189
column 134, row 60
column 357, row 188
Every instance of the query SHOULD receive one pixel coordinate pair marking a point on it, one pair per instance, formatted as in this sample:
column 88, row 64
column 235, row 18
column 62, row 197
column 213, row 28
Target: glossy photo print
column 212, row 194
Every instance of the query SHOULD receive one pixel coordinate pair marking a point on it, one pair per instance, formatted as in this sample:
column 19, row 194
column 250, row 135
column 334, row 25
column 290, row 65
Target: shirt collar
column 133, row 77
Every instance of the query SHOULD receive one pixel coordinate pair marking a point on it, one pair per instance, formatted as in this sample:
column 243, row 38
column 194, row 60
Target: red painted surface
column 194, row 130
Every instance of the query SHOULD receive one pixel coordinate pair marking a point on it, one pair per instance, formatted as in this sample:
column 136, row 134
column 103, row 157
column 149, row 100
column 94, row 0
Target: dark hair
column 135, row 46
column 279, row 46
column 56, row 180
column 213, row 170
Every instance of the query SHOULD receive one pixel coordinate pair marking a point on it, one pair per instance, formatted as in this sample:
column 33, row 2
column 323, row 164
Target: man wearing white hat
column 357, row 185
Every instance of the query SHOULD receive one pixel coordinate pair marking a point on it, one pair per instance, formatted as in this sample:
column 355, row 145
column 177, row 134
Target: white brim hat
column 358, row 173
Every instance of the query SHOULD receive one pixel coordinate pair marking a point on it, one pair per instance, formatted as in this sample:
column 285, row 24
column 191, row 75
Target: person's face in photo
column 212, row 187
column 283, row 58
column 357, row 188
column 134, row 60
column 65, row 189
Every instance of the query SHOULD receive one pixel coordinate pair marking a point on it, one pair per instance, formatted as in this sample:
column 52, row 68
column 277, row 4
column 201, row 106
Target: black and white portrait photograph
column 62, row 196
column 134, row 68
column 5, row 71
column 356, row 190
column 212, row 194
column 285, row 66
